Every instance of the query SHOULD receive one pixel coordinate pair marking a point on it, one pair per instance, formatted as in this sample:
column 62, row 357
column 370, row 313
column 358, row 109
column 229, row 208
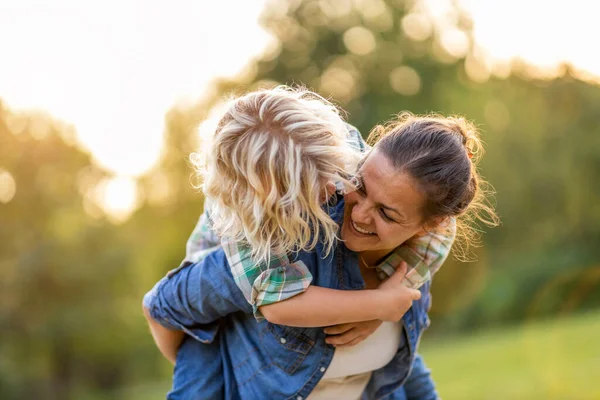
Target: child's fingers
column 398, row 275
column 402, row 268
column 414, row 294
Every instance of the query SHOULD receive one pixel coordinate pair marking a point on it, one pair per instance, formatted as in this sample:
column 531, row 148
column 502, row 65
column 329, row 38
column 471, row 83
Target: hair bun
column 469, row 137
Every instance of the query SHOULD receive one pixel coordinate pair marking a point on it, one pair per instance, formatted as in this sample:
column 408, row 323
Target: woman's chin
column 351, row 240
column 347, row 238
column 351, row 245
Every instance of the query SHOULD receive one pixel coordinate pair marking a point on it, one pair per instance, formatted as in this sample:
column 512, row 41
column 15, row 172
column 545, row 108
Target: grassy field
column 557, row 359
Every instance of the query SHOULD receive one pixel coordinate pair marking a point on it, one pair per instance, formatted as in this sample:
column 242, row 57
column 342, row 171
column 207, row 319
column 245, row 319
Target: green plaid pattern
column 203, row 239
column 264, row 284
column 421, row 252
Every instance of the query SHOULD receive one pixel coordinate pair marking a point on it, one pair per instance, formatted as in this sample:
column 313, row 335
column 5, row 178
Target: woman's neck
column 373, row 257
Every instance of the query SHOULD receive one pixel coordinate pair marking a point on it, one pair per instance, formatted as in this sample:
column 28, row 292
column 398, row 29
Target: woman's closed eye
column 385, row 216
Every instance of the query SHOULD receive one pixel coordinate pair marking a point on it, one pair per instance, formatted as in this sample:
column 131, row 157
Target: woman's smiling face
column 384, row 211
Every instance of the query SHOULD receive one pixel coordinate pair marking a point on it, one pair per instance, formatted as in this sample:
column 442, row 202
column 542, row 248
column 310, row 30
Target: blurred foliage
column 72, row 282
column 541, row 360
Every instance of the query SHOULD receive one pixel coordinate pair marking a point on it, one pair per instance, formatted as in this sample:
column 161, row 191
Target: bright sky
column 544, row 32
column 113, row 68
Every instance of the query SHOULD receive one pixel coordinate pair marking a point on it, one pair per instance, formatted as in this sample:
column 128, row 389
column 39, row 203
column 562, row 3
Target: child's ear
column 329, row 191
column 330, row 188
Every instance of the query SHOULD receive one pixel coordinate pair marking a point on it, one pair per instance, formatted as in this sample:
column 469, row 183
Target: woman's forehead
column 389, row 186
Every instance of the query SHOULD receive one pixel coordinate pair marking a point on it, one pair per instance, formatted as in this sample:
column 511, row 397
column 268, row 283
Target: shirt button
column 322, row 369
column 283, row 341
column 299, row 398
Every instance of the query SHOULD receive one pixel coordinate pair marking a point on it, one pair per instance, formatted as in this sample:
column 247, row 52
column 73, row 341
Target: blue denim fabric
column 419, row 385
column 261, row 360
column 198, row 372
column 199, row 375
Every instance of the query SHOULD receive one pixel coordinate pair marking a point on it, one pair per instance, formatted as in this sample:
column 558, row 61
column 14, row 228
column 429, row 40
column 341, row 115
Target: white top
column 351, row 367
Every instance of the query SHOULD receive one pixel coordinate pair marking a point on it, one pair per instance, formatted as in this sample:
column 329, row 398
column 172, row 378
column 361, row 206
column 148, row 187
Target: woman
column 421, row 173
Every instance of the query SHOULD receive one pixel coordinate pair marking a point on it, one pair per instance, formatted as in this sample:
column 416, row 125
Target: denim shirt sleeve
column 194, row 297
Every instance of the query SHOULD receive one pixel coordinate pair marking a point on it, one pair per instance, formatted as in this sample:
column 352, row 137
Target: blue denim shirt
column 264, row 360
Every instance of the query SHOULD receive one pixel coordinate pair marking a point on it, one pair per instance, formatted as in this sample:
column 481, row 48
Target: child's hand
column 351, row 334
column 396, row 297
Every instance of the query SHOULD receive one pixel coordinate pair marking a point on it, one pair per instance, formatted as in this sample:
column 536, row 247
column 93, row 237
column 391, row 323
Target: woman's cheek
column 380, row 231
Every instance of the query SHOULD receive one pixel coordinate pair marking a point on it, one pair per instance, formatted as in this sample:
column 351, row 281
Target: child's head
column 275, row 157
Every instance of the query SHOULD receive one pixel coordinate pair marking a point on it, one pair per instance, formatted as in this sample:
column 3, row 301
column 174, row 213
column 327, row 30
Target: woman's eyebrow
column 361, row 184
column 360, row 163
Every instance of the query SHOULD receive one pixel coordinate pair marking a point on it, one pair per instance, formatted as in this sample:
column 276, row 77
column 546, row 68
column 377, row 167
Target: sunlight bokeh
column 542, row 33
column 113, row 69
column 118, row 197
column 8, row 186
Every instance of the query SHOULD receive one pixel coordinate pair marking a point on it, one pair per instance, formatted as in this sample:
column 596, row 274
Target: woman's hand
column 351, row 334
column 396, row 297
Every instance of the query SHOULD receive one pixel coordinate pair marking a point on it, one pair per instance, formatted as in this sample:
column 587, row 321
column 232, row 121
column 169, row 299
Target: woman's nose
column 360, row 212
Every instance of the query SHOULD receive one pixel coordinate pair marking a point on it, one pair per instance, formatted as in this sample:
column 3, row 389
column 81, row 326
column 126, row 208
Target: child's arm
column 323, row 307
column 281, row 293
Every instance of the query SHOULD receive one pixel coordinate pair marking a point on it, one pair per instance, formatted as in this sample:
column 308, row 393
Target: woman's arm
column 167, row 340
column 201, row 242
column 192, row 299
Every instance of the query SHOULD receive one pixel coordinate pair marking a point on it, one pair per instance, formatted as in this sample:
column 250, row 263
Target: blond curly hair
column 273, row 153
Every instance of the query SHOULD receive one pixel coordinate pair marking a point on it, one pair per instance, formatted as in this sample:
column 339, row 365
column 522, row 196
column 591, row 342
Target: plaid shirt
column 425, row 252
column 264, row 284
column 203, row 239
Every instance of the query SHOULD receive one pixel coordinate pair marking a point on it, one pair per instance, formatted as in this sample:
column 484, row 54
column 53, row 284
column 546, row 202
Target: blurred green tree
column 66, row 302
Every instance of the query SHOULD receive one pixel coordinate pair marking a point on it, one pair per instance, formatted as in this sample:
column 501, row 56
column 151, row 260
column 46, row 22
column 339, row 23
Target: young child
column 277, row 157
